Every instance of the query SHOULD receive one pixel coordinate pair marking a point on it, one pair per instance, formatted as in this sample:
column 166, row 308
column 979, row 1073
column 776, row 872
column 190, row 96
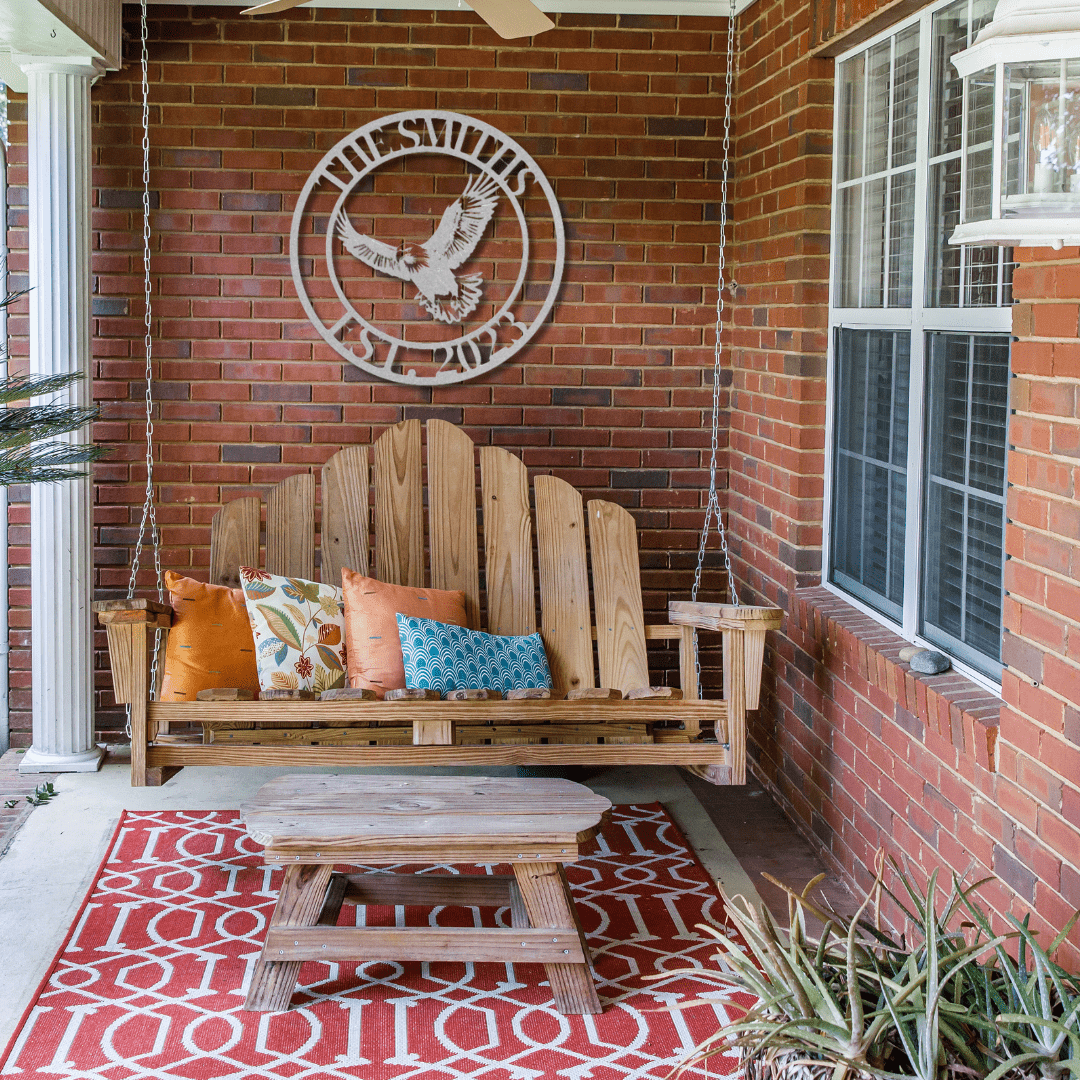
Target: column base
column 35, row 761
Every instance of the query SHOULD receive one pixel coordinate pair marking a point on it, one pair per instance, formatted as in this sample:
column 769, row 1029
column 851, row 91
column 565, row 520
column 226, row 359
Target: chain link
column 149, row 512
column 712, row 507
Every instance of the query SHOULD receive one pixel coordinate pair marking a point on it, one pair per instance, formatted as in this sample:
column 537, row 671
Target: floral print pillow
column 299, row 630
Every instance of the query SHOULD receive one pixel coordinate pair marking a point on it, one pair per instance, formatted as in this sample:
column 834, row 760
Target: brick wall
column 860, row 753
column 1038, row 783
column 613, row 394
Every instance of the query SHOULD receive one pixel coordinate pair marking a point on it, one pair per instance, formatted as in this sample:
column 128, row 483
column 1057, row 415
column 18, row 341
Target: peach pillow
column 371, row 632
column 210, row 643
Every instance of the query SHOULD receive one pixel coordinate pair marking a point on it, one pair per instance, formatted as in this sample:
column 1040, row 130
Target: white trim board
column 717, row 8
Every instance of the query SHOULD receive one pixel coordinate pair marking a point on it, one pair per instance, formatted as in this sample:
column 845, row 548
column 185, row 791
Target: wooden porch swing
column 618, row 719
column 621, row 720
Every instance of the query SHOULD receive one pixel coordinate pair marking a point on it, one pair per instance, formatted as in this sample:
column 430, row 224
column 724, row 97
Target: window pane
column 961, row 127
column 851, row 86
column 943, row 260
column 905, row 97
column 873, row 243
column 870, row 480
column 877, row 111
column 963, row 531
column 901, row 237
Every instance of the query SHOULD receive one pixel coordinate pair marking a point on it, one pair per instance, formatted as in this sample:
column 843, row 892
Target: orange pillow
column 210, row 643
column 371, row 632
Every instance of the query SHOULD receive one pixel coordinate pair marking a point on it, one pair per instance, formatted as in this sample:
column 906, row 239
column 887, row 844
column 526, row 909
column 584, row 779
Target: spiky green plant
column 28, row 454
column 856, row 1002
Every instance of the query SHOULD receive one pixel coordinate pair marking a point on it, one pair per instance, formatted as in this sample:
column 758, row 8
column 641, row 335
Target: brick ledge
column 958, row 710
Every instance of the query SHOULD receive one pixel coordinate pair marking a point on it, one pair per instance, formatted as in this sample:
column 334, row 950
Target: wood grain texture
column 688, row 675
column 700, row 753
column 463, row 712
column 735, row 693
column 549, row 904
column 396, row 735
column 290, row 527
column 234, row 540
column 620, row 617
column 377, row 819
column 452, row 515
column 654, row 693
column 348, row 693
column 225, row 693
column 566, row 625
column 412, row 694
column 382, row 943
column 399, row 500
column 345, row 514
column 139, row 685
column 299, row 904
column 508, row 558
column 461, row 890
column 433, row 732
column 594, row 693
column 320, row 736
column 722, row 616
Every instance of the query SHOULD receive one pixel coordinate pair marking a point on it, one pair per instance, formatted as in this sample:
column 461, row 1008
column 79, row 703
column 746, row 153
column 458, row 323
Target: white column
column 61, row 573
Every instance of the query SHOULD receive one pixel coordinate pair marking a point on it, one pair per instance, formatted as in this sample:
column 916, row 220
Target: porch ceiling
column 579, row 7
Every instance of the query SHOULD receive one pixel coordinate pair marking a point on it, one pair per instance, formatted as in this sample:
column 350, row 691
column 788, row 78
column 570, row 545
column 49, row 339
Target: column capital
column 90, row 66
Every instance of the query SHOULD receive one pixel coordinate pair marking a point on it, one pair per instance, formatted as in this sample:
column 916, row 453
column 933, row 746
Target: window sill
column 856, row 647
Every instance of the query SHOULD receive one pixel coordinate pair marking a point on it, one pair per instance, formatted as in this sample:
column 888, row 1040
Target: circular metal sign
column 427, row 247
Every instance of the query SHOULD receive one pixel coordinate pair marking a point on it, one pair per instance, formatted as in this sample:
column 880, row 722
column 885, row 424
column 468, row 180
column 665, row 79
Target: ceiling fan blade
column 512, row 18
column 268, row 7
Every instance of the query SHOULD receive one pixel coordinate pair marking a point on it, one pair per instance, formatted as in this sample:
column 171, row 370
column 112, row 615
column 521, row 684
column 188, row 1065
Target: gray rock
column 930, row 663
column 908, row 651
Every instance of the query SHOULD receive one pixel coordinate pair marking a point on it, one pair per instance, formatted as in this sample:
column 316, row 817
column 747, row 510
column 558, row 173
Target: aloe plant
column 857, row 1002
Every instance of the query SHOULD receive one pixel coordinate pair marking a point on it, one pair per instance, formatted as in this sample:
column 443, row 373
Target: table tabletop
column 381, row 820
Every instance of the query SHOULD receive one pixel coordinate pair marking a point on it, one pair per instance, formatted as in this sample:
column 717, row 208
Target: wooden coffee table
column 309, row 823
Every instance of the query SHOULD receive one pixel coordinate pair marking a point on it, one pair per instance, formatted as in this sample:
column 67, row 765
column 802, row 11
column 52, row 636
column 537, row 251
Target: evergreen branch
column 21, row 387
column 42, row 463
column 20, row 427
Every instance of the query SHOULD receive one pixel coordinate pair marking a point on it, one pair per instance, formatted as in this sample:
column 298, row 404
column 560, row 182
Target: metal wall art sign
column 427, row 247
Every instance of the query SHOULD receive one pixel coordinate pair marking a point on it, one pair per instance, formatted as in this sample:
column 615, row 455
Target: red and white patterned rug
column 152, row 978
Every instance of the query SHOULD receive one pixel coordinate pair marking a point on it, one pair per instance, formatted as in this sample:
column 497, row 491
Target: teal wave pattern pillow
column 443, row 657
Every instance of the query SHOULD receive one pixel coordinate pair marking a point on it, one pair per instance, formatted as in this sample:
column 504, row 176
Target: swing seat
column 625, row 721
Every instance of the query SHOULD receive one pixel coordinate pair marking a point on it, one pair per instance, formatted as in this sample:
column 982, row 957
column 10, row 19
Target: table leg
column 550, row 905
column 300, row 903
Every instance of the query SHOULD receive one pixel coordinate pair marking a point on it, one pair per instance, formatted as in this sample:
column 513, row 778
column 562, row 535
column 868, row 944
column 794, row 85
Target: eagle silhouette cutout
column 430, row 266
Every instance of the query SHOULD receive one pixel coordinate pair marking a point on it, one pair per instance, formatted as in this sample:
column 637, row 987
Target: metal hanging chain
column 149, row 513
column 713, row 507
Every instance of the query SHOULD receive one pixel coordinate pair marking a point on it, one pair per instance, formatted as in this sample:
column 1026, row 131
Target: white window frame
column 918, row 320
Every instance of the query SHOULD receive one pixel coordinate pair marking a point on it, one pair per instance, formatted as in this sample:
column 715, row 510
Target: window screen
column 963, row 525
column 870, row 455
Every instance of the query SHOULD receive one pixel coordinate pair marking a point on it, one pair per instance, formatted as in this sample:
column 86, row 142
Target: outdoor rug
column 152, row 978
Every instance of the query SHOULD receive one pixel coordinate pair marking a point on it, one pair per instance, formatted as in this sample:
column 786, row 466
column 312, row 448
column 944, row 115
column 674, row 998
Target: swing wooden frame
column 655, row 726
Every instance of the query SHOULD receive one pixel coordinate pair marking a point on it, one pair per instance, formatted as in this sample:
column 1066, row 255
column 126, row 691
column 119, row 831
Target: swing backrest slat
column 566, row 625
column 234, row 540
column 510, row 582
column 345, row 518
column 399, row 506
column 290, row 527
column 620, row 618
column 452, row 531
column 508, row 558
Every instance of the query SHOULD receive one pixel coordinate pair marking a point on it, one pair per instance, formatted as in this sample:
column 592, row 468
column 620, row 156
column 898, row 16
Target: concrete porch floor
column 51, row 860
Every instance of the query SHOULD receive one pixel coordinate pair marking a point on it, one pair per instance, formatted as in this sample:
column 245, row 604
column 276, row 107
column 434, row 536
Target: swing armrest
column 723, row 616
column 153, row 613
column 129, row 623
